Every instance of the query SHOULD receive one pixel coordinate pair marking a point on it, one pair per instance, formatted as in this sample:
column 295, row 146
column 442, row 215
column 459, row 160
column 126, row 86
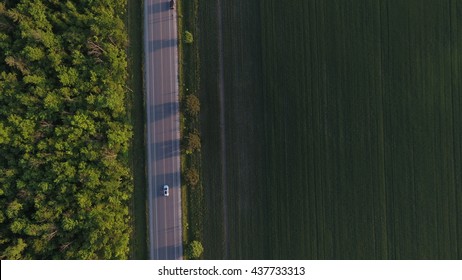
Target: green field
column 343, row 129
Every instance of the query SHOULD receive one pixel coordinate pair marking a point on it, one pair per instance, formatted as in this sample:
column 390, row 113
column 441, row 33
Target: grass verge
column 189, row 80
column 138, row 242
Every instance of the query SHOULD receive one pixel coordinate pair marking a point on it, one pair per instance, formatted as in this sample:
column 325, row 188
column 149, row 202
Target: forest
column 65, row 181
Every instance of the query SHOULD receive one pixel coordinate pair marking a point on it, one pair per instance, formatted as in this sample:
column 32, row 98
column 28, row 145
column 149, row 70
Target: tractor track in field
column 221, row 94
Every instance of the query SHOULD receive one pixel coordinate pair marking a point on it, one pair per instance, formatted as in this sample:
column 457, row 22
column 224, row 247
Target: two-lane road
column 162, row 129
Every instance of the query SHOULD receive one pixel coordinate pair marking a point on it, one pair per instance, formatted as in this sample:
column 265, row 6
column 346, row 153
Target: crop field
column 343, row 129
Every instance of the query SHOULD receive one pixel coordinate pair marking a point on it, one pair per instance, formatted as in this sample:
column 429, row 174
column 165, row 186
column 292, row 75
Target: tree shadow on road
column 156, row 45
column 158, row 181
column 165, row 149
column 163, row 111
column 169, row 252
column 158, row 7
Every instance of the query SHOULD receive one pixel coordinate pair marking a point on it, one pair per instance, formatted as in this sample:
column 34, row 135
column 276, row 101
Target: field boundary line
column 221, row 97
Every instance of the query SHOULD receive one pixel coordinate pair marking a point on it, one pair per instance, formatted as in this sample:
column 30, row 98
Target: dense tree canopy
column 64, row 133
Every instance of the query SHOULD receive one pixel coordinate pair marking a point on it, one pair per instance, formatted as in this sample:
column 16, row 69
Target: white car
column 165, row 189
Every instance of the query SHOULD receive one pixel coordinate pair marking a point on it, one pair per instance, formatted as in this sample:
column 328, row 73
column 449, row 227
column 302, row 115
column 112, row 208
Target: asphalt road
column 163, row 130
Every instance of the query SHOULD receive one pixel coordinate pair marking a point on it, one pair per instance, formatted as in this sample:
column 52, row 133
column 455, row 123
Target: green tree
column 194, row 250
column 194, row 142
column 14, row 252
column 33, row 53
column 192, row 177
column 188, row 37
column 4, row 134
column 193, row 105
column 13, row 209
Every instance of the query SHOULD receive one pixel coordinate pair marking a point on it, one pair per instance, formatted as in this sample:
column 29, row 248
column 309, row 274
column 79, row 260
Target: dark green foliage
column 64, row 134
